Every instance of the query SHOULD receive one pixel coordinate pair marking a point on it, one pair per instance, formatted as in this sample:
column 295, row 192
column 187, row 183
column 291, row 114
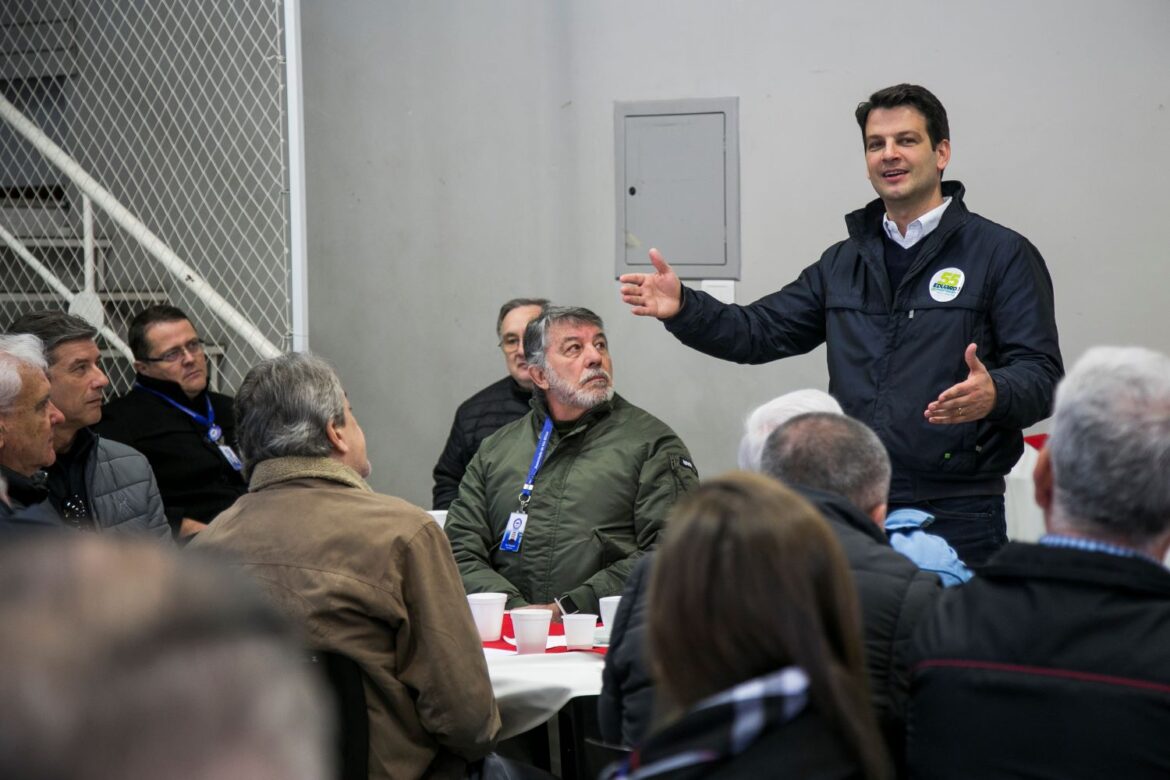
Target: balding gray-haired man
column 1052, row 661
column 369, row 576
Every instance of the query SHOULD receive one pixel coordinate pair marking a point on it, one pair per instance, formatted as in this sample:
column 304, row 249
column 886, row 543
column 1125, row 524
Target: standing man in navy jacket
column 940, row 325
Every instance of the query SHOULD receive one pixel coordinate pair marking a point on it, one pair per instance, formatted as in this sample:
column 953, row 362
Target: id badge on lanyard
column 230, row 456
column 214, row 432
column 518, row 521
column 514, row 532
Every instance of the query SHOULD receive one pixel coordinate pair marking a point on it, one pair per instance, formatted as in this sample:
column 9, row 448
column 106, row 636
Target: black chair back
column 344, row 678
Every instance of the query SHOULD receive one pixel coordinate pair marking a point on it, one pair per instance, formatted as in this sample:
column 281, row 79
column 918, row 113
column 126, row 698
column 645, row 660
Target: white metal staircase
column 119, row 188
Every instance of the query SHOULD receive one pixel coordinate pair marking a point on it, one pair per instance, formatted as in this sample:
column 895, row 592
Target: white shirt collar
column 918, row 229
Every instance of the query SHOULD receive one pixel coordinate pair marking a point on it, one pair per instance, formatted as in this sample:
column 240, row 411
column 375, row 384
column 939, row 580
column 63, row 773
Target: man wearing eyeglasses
column 493, row 407
column 95, row 484
column 187, row 432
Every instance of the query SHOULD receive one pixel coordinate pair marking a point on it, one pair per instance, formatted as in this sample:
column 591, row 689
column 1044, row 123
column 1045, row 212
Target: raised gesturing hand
column 653, row 295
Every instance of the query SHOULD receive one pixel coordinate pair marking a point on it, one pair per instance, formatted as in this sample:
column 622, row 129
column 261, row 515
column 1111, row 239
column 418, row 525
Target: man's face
column 77, row 382
column 512, row 342
column 26, row 430
column 182, row 359
column 903, row 169
column 579, row 370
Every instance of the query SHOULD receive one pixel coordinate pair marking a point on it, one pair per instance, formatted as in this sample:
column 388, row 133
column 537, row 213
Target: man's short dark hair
column 830, row 452
column 136, row 333
column 54, row 328
column 918, row 98
column 516, row 303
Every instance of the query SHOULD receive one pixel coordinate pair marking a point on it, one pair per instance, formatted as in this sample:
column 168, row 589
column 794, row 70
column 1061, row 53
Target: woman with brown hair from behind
column 755, row 643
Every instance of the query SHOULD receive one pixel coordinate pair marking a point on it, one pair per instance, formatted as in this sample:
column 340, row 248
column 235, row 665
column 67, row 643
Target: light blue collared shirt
column 916, row 230
column 929, row 552
column 1094, row 545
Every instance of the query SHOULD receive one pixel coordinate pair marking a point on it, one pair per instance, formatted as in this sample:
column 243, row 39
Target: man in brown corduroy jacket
column 369, row 576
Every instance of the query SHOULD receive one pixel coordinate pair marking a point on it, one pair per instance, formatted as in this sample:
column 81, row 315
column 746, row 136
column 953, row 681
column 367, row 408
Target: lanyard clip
column 526, row 496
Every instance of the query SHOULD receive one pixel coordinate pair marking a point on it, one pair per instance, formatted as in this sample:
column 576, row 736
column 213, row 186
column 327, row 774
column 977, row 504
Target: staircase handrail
column 41, row 270
column 103, row 199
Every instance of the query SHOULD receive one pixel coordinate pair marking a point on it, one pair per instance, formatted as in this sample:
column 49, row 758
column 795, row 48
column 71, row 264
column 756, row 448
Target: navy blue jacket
column 625, row 708
column 892, row 352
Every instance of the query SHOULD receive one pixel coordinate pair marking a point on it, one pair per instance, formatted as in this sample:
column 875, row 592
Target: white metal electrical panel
column 677, row 177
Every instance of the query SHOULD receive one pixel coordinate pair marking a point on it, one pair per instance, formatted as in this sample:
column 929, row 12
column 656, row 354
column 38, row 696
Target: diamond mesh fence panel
column 177, row 108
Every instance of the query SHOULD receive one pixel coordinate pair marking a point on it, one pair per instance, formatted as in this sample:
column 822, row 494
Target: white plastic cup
column 579, row 631
column 487, row 609
column 609, row 606
column 531, row 626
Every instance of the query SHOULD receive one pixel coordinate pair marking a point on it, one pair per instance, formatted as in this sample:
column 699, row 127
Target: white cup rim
column 531, row 614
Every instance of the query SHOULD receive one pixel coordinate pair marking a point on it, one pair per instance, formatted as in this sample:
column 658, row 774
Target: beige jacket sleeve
column 439, row 653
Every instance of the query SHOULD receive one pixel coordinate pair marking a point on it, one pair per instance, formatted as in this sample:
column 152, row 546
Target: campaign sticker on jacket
column 946, row 284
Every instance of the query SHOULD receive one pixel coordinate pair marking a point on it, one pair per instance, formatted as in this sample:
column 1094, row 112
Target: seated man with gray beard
column 558, row 506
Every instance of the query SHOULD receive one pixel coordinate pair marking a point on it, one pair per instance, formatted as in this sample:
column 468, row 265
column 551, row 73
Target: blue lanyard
column 214, row 432
column 537, row 461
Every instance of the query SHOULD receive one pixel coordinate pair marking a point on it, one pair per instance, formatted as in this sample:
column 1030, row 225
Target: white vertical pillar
column 298, row 250
column 87, row 244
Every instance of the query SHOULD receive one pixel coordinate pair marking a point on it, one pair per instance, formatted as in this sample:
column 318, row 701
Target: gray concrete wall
column 461, row 153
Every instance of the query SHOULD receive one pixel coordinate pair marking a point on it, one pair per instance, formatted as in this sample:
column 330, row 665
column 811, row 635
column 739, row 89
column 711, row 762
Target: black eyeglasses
column 511, row 343
column 193, row 347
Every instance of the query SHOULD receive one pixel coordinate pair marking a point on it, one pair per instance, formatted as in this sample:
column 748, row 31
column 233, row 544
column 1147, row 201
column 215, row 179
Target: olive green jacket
column 599, row 502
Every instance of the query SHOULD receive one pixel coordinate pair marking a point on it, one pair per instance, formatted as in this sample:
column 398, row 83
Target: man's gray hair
column 1110, row 444
column 830, row 452
column 284, row 406
column 771, row 415
column 536, row 334
column 17, row 350
column 54, row 328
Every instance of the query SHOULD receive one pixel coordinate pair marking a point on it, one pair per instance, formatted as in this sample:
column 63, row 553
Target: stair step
column 62, row 242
